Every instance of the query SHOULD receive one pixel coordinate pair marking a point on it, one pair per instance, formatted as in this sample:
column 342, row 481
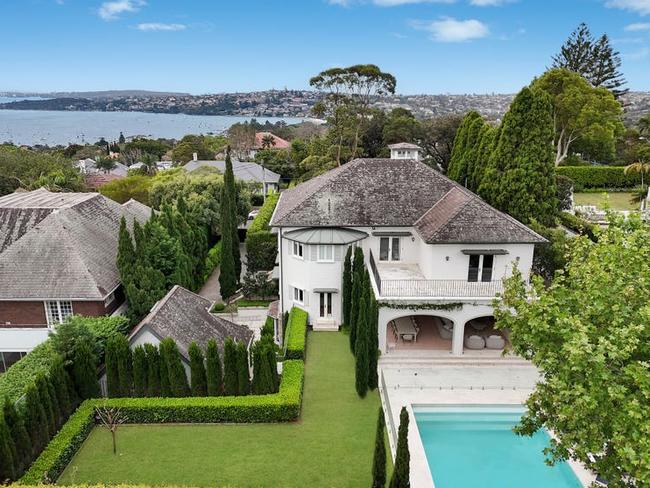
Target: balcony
column 405, row 280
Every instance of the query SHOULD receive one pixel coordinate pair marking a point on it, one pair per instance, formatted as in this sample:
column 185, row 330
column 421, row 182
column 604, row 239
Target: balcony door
column 389, row 249
column 325, row 309
column 480, row 267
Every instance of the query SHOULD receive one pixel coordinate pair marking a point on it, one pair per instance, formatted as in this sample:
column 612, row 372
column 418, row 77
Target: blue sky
column 208, row 46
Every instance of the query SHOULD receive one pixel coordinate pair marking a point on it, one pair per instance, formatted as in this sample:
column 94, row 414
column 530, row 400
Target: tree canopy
column 589, row 334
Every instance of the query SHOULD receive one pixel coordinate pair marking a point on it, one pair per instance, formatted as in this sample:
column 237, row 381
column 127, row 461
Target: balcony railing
column 422, row 288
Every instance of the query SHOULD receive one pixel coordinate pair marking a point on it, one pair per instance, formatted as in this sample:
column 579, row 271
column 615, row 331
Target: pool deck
column 447, row 384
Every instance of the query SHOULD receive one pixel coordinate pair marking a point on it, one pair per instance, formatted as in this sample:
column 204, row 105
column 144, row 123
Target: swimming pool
column 474, row 447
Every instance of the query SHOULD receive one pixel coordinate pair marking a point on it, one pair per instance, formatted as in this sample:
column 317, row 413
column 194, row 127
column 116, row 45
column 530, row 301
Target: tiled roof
column 403, row 145
column 185, row 317
column 279, row 142
column 397, row 193
column 243, row 170
column 61, row 245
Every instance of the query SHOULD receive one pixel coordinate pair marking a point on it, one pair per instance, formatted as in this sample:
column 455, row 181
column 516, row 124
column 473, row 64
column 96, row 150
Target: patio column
column 457, row 338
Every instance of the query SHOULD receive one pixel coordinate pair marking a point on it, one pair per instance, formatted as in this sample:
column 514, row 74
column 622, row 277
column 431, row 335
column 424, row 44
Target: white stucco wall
column 22, row 339
column 145, row 336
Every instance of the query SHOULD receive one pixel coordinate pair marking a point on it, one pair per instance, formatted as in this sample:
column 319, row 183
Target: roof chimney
column 195, row 157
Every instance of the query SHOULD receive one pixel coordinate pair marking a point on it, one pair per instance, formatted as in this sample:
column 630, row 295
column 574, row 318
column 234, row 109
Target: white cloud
column 641, row 7
column 112, row 10
column 157, row 26
column 448, row 29
column 640, row 26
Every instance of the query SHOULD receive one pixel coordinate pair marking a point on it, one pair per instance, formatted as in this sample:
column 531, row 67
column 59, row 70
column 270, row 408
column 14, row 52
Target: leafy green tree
column 214, row 375
column 177, row 378
column 243, row 377
column 140, row 374
column 185, row 150
column 35, row 420
column 230, row 371
column 134, row 187
column 644, row 125
column 8, row 454
column 19, row 435
column 594, row 59
column 153, row 371
column 402, row 470
column 588, row 334
column 347, row 285
column 520, row 178
column 583, row 116
column 198, row 380
column 437, row 140
column 379, row 457
column 401, row 126
column 144, row 290
column 361, row 348
column 85, row 371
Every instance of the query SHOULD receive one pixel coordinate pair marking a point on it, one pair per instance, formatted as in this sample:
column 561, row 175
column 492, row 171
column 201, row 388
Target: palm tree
column 640, row 167
column 644, row 125
column 268, row 141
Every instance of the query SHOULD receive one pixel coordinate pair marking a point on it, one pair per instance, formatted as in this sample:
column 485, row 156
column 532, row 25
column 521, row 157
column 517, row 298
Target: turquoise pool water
column 474, row 447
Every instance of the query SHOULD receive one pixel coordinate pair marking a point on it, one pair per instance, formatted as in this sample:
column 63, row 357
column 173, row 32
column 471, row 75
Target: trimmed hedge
column 578, row 224
column 599, row 176
column 283, row 406
column 263, row 218
column 24, row 372
column 212, row 260
column 261, row 244
column 296, row 334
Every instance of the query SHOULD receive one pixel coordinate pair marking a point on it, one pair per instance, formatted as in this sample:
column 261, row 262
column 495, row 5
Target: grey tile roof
column 61, row 245
column 243, row 170
column 185, row 317
column 403, row 145
column 397, row 193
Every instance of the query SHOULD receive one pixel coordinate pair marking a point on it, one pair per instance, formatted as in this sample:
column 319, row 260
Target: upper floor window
column 389, row 249
column 57, row 311
column 480, row 267
column 297, row 250
column 298, row 295
column 326, row 252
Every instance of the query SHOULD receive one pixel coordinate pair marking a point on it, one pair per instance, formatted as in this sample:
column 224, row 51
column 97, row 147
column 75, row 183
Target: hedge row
column 25, row 371
column 212, row 260
column 261, row 244
column 279, row 407
column 599, row 176
column 296, row 334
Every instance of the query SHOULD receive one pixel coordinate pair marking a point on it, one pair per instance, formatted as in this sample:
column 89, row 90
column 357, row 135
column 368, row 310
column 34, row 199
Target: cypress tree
column 463, row 169
column 124, row 365
column 56, row 410
column 520, row 178
column 243, row 378
column 456, row 169
column 272, row 360
column 112, row 373
column 60, row 380
column 231, row 188
column 125, row 253
column 8, row 454
column 138, row 237
column 256, row 383
column 379, row 457
column 357, row 274
column 485, row 148
column 140, row 372
column 230, row 374
column 46, row 401
column 401, row 470
column 228, row 276
column 263, row 375
column 197, row 371
column 85, row 371
column 214, row 375
column 165, row 386
column 35, row 420
column 18, row 432
column 373, row 341
column 153, row 370
column 361, row 349
column 175, row 370
column 347, row 285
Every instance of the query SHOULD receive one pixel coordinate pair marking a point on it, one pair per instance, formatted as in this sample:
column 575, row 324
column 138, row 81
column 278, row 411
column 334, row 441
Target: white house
column 405, row 150
column 436, row 253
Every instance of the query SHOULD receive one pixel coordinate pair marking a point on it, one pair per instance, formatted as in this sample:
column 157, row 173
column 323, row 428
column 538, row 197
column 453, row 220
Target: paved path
column 211, row 289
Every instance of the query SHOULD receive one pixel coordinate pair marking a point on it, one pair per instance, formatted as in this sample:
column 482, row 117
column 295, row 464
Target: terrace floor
column 331, row 445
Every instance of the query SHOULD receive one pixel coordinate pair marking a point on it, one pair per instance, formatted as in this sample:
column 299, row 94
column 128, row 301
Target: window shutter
column 337, row 252
column 314, row 252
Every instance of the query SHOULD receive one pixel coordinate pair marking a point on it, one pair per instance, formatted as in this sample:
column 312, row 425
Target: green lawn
column 618, row 200
column 330, row 446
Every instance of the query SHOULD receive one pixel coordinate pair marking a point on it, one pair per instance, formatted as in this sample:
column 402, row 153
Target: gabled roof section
column 279, row 142
column 185, row 317
column 397, row 193
column 67, row 251
column 243, row 170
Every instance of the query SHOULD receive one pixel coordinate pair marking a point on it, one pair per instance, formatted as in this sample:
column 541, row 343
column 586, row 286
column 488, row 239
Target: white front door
column 325, row 309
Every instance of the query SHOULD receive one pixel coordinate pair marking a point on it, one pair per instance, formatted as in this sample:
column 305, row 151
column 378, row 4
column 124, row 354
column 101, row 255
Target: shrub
column 296, row 334
column 599, row 176
column 176, row 375
column 139, row 371
column 153, row 370
column 263, row 218
column 564, row 191
column 24, row 372
column 578, row 224
column 283, row 406
column 243, row 377
column 258, row 285
column 230, row 375
column 261, row 244
column 218, row 307
column 213, row 369
column 212, row 260
column 198, row 385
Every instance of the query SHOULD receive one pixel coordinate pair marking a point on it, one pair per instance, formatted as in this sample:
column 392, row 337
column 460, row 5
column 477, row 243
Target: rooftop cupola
column 405, row 150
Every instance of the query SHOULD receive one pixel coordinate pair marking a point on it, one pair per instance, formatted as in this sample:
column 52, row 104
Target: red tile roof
column 279, row 142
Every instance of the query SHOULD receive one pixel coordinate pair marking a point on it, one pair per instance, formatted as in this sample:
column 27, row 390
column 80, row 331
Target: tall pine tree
column 520, row 178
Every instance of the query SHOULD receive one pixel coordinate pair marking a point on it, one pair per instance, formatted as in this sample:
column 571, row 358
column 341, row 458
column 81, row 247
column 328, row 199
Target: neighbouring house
column 185, row 317
column 57, row 258
column 95, row 177
column 405, row 150
column 247, row 171
column 260, row 143
column 436, row 253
